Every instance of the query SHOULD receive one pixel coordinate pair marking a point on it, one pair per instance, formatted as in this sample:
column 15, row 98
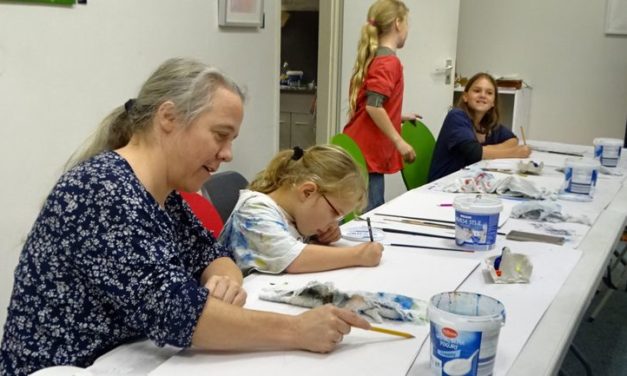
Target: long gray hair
column 189, row 84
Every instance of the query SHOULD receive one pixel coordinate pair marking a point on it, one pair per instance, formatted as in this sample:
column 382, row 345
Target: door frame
column 329, row 69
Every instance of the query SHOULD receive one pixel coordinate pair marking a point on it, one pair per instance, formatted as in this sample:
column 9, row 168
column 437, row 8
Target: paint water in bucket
column 607, row 150
column 580, row 179
column 476, row 221
column 465, row 329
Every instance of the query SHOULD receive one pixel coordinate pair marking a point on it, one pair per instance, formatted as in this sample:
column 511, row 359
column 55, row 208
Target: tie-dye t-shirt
column 260, row 235
column 104, row 264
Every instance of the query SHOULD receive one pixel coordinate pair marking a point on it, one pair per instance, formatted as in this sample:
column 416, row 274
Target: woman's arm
column 224, row 281
column 382, row 120
column 223, row 266
column 316, row 258
column 224, row 326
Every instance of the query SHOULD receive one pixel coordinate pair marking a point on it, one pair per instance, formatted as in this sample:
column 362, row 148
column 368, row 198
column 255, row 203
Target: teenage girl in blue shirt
column 471, row 131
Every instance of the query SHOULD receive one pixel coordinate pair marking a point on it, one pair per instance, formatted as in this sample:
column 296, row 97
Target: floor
column 603, row 341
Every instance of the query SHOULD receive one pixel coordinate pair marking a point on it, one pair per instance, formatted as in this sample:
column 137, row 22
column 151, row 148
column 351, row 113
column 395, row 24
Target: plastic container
column 294, row 77
column 580, row 179
column 465, row 328
column 607, row 150
column 476, row 221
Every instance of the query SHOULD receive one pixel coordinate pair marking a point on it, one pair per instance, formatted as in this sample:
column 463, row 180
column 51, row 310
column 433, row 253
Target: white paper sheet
column 524, row 303
column 413, row 274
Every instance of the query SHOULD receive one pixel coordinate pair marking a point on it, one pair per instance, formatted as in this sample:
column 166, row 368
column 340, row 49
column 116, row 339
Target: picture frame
column 616, row 17
column 240, row 13
column 51, row 2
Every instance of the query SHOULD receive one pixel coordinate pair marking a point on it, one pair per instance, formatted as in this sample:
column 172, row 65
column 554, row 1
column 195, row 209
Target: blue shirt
column 458, row 130
column 104, row 264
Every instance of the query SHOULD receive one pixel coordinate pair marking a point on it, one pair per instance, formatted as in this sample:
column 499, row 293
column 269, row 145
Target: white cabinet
column 297, row 123
column 515, row 106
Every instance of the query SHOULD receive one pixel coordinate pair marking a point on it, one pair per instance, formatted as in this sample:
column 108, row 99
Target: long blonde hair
column 188, row 83
column 332, row 169
column 382, row 16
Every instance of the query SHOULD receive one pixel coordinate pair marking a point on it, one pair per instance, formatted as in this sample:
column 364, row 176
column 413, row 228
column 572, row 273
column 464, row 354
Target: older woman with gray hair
column 116, row 255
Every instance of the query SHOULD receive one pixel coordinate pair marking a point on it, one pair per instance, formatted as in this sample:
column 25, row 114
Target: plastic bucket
column 580, row 179
column 465, row 329
column 476, row 221
column 294, row 77
column 607, row 150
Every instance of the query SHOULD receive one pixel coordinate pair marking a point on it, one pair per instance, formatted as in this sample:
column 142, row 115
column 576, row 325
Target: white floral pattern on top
column 260, row 235
column 104, row 264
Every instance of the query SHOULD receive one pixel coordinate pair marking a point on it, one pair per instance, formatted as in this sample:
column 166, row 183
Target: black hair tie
column 128, row 106
column 298, row 153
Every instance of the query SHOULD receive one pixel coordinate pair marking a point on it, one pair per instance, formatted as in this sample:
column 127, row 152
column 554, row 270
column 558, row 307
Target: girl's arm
column 316, row 258
column 382, row 120
column 506, row 149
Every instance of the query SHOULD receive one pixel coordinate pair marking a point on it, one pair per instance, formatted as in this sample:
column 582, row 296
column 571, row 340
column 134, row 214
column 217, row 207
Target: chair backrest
column 205, row 211
column 420, row 138
column 222, row 189
column 347, row 143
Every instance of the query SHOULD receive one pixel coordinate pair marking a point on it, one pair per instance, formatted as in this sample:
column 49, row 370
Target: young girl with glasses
column 291, row 214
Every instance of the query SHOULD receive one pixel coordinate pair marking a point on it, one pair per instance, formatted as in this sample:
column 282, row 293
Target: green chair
column 420, row 138
column 347, row 143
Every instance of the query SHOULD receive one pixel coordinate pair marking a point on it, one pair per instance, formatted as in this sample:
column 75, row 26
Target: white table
column 546, row 345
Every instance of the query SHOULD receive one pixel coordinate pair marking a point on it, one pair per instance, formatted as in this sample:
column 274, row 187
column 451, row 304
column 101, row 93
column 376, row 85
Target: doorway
column 299, row 70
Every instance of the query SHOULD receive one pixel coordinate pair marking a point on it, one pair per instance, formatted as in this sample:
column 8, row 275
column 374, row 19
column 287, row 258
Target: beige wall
column 63, row 69
column 578, row 74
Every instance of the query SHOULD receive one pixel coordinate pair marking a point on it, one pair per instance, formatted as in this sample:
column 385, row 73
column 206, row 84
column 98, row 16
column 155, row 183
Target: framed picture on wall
column 616, row 17
column 61, row 2
column 240, row 13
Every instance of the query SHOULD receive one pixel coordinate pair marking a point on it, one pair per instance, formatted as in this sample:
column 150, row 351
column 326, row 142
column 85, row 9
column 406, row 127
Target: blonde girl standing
column 292, row 210
column 376, row 96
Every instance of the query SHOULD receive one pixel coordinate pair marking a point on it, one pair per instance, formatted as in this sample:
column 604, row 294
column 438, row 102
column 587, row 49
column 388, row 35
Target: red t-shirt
column 384, row 76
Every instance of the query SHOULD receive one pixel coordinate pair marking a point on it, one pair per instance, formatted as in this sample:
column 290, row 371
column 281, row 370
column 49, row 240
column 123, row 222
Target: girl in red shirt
column 376, row 96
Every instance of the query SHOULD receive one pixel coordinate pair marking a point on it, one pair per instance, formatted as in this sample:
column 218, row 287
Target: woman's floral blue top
column 104, row 264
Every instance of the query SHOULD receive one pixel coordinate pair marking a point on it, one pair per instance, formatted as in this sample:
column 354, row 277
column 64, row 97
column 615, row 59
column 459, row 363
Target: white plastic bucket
column 607, row 150
column 580, row 179
column 476, row 221
column 294, row 77
column 465, row 329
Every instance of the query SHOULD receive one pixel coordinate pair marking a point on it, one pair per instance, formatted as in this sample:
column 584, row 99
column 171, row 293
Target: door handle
column 446, row 70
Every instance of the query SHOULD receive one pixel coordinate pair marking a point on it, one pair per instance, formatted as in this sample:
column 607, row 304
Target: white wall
column 578, row 74
column 63, row 69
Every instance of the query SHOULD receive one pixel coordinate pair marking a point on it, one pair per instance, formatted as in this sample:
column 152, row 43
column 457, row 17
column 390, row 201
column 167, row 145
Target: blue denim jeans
column 376, row 190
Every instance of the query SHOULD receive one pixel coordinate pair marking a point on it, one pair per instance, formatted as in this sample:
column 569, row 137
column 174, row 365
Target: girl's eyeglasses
column 340, row 216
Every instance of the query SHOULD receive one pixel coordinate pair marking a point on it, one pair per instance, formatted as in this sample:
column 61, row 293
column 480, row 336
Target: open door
column 428, row 59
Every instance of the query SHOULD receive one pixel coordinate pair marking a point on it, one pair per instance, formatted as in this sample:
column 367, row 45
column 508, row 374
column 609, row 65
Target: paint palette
column 360, row 234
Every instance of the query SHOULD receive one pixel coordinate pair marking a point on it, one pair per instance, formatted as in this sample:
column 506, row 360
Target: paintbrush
column 391, row 332
column 416, row 233
column 429, row 247
column 421, row 223
column 369, row 229
column 415, row 218
column 556, row 152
